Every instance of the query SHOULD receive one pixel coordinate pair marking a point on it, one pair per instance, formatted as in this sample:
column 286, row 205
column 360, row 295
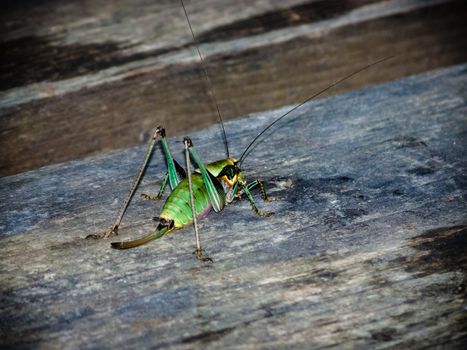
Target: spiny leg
column 114, row 229
column 198, row 252
column 262, row 190
column 245, row 190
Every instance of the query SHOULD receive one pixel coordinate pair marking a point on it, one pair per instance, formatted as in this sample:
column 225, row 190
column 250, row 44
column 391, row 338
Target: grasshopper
column 211, row 186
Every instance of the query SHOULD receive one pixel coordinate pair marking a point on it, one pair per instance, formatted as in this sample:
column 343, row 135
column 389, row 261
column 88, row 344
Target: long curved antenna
column 244, row 154
column 208, row 80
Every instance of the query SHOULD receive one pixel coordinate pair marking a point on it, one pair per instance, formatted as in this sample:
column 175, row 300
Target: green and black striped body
column 176, row 212
column 177, row 207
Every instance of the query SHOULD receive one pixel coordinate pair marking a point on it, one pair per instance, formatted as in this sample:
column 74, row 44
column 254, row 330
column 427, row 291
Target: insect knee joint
column 159, row 131
column 187, row 142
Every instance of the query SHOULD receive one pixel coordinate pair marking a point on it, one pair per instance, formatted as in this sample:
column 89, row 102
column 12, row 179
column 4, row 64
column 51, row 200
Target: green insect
column 211, row 186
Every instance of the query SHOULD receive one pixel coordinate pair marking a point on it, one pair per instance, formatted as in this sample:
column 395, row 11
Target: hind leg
column 175, row 174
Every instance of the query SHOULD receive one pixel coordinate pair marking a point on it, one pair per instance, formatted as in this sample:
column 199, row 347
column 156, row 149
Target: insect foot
column 113, row 231
column 277, row 198
column 200, row 255
column 150, row 197
column 265, row 214
column 273, row 199
column 264, row 195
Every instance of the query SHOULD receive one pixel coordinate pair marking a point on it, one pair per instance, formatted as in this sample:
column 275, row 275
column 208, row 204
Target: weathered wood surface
column 81, row 77
column 367, row 248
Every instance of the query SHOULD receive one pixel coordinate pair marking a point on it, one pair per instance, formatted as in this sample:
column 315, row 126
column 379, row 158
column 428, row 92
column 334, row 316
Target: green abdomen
column 177, row 206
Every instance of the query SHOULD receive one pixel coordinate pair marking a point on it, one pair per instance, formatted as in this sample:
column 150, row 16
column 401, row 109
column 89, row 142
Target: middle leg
column 246, row 191
column 199, row 251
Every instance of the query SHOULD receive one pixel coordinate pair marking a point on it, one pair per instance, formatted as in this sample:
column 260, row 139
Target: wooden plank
column 367, row 248
column 105, row 73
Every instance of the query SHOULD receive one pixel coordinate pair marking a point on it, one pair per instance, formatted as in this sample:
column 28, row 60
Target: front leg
column 262, row 190
column 245, row 190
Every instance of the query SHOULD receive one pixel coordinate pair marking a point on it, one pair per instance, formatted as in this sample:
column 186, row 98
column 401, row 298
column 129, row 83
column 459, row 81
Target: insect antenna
column 208, row 80
column 245, row 152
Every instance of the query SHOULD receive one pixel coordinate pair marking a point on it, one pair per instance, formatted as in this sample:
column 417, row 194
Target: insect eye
column 229, row 171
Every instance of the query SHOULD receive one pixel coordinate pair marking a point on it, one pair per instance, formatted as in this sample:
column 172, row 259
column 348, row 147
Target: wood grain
column 80, row 78
column 367, row 248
